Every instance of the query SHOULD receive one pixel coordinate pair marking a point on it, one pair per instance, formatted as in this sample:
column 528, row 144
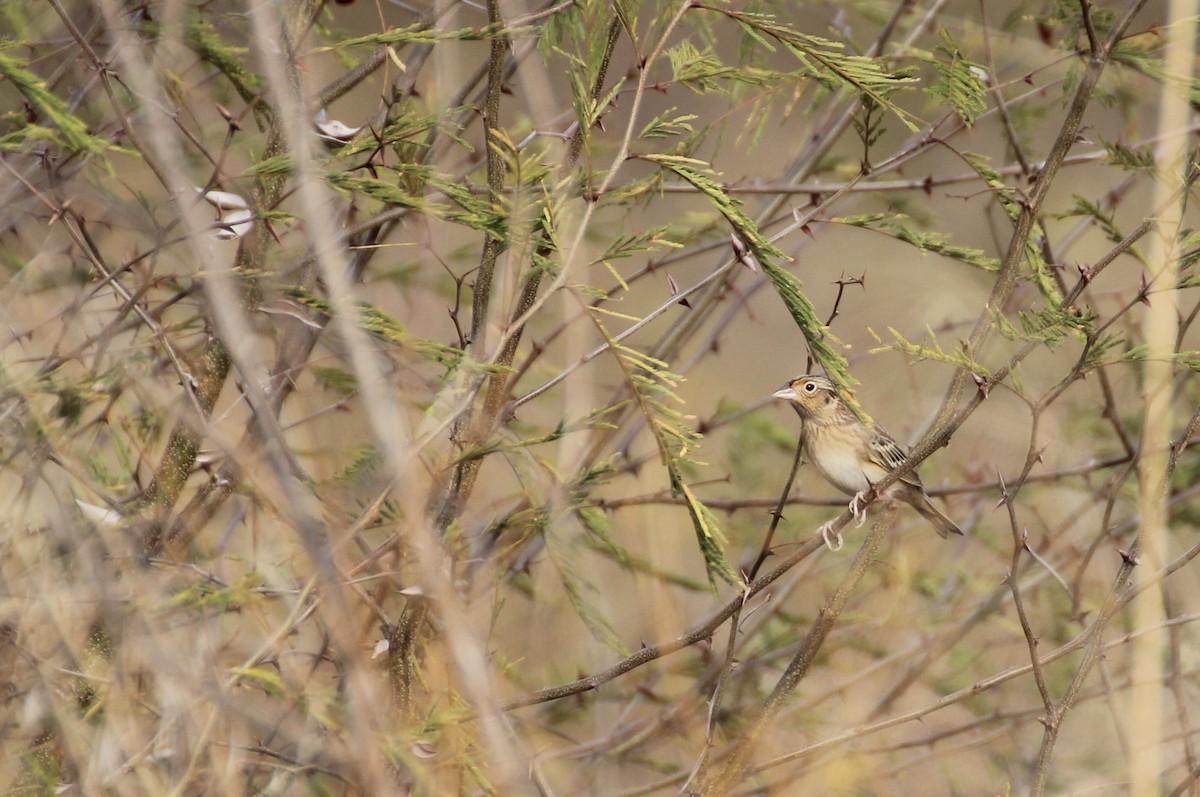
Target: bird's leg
column 858, row 504
column 833, row 539
column 858, row 507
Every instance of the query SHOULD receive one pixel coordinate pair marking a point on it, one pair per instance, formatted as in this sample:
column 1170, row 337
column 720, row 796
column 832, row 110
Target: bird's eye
column 810, row 387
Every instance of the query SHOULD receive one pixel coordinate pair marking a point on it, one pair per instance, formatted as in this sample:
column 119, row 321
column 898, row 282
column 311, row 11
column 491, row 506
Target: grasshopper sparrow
column 853, row 456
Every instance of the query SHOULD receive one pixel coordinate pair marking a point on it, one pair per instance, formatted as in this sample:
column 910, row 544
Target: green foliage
column 1125, row 157
column 1188, row 252
column 419, row 33
column 960, row 82
column 1141, row 353
column 382, row 326
column 274, row 166
column 566, row 554
column 1098, row 351
column 869, row 126
column 667, row 125
column 334, row 379
column 786, row 285
column 474, row 210
column 147, row 425
column 1136, row 55
column 891, row 225
column 649, row 240
column 653, row 391
column 702, row 70
column 933, row 352
column 825, row 60
column 219, row 598
column 1103, row 220
column 70, row 131
column 1050, row 325
column 385, row 192
column 208, row 44
column 16, row 22
column 495, row 444
column 364, row 464
column 267, row 680
column 1068, row 16
column 1011, row 202
column 595, row 521
column 588, row 109
column 515, row 482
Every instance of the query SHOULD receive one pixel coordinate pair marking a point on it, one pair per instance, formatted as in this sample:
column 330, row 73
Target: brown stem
column 465, row 473
column 209, row 368
column 1030, row 210
column 714, row 704
column 738, row 760
column 698, row 633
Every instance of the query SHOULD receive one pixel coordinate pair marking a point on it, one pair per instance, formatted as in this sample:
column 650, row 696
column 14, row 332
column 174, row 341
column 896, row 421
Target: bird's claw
column 858, row 508
column 833, row 539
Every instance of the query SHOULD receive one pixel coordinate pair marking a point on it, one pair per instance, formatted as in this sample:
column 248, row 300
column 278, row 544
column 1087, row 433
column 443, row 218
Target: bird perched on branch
column 853, row 456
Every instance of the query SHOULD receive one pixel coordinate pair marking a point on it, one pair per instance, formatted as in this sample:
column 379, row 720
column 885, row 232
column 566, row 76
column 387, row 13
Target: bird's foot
column 858, row 508
column 833, row 539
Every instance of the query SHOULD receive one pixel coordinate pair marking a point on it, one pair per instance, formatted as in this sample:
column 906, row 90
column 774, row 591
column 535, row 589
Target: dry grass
column 424, row 482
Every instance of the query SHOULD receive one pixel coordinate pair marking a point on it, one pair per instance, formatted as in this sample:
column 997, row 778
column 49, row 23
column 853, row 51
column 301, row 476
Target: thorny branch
column 156, row 340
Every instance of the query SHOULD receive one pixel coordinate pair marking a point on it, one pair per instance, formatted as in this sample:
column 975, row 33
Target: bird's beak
column 787, row 393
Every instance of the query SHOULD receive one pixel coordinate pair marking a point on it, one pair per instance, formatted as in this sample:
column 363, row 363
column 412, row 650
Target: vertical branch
column 495, row 174
column 498, row 386
column 475, row 428
column 738, row 761
column 714, row 703
column 389, row 426
column 1155, row 464
column 402, row 660
column 1093, row 648
column 949, row 416
column 208, row 368
column 1161, row 328
column 496, row 394
column 575, row 148
column 1020, row 537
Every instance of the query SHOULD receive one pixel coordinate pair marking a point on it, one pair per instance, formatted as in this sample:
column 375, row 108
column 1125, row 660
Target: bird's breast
column 840, row 461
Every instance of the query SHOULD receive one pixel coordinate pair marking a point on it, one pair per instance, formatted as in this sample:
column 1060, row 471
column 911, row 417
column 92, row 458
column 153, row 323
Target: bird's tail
column 944, row 525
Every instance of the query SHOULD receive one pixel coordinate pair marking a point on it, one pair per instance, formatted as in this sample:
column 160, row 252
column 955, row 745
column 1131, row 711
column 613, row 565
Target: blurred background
column 369, row 367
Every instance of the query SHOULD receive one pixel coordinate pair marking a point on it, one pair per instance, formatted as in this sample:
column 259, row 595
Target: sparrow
column 852, row 455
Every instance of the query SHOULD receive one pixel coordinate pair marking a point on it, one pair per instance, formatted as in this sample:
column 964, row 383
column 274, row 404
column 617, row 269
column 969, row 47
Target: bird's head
column 814, row 396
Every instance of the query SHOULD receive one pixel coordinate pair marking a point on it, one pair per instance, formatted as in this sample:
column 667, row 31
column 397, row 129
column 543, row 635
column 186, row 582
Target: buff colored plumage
column 851, row 455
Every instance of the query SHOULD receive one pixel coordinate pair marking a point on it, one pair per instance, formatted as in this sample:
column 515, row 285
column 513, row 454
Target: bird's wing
column 887, row 454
